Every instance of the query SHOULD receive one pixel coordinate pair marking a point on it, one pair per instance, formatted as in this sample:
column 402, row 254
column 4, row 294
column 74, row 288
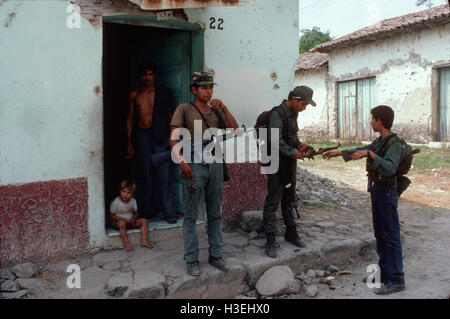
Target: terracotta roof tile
column 439, row 15
column 311, row 60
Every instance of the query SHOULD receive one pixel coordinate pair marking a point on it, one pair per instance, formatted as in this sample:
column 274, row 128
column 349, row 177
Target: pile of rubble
column 312, row 189
column 21, row 280
column 280, row 282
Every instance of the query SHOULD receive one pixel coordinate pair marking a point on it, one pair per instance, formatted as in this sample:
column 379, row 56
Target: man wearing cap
column 281, row 185
column 201, row 180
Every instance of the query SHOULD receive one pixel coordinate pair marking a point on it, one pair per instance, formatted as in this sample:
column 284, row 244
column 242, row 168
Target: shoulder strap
column 201, row 114
column 216, row 112
column 391, row 140
column 281, row 113
column 221, row 122
column 283, row 118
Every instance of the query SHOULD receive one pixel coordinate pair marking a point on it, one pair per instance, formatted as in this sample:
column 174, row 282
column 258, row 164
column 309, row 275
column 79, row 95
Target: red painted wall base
column 246, row 190
column 43, row 220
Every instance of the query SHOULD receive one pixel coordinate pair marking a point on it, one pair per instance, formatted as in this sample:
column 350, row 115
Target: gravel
column 314, row 189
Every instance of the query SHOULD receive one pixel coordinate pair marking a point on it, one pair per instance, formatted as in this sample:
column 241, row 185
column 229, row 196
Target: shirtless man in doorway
column 150, row 109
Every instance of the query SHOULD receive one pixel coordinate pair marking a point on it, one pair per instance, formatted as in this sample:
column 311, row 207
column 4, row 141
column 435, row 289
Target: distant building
column 403, row 62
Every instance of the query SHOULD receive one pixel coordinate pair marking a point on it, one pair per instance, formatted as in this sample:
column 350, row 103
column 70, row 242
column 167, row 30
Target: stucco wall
column 313, row 122
column 254, row 56
column 50, row 117
column 51, row 76
column 403, row 70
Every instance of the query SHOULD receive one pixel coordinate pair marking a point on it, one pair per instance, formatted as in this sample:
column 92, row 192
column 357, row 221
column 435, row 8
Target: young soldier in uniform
column 383, row 189
column 201, row 179
column 281, row 185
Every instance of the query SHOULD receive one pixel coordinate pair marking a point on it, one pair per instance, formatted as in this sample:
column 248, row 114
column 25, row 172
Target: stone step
column 157, row 231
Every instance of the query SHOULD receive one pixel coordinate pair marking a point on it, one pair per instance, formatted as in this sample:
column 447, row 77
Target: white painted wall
column 403, row 70
column 257, row 40
column 316, row 80
column 50, row 119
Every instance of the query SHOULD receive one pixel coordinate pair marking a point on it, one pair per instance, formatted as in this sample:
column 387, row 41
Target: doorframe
column 196, row 31
column 357, row 110
column 436, row 100
column 197, row 51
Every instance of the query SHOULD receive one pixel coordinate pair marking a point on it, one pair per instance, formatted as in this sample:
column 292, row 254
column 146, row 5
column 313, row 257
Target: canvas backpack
column 263, row 121
column 403, row 166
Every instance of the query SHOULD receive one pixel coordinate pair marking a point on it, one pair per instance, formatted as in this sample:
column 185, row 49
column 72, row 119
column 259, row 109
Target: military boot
column 291, row 236
column 271, row 246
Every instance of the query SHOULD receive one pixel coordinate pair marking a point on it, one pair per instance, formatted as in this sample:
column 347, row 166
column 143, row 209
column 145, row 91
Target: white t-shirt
column 123, row 209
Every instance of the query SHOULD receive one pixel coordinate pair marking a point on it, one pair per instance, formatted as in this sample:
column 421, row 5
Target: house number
column 212, row 24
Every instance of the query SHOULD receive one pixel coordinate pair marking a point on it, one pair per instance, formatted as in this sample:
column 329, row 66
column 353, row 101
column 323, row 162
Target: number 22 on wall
column 212, row 24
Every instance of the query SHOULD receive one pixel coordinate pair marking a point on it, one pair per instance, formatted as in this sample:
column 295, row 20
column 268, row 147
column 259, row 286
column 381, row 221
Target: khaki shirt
column 185, row 115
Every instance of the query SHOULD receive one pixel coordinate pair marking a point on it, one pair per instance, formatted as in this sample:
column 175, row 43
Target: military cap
column 202, row 78
column 304, row 92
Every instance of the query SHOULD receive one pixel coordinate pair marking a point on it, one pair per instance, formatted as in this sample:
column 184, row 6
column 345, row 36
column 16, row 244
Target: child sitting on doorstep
column 124, row 213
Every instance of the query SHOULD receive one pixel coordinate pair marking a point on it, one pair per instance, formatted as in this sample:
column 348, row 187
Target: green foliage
column 313, row 37
column 431, row 158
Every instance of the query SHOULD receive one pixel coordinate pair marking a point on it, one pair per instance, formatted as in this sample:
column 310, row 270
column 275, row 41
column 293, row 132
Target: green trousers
column 276, row 193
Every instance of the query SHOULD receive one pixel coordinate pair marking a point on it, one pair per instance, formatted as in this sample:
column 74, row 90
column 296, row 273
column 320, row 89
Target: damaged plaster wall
column 403, row 70
column 313, row 121
column 51, row 122
column 254, row 56
column 93, row 11
column 51, row 105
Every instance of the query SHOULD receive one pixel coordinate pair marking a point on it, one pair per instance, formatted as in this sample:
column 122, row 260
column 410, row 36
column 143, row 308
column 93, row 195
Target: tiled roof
column 311, row 60
column 439, row 15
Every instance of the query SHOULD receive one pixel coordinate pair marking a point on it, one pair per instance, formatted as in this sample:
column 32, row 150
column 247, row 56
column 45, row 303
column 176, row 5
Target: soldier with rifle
column 281, row 185
column 385, row 155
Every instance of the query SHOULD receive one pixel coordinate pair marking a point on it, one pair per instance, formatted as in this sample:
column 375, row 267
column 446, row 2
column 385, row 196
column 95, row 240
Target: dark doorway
column 125, row 47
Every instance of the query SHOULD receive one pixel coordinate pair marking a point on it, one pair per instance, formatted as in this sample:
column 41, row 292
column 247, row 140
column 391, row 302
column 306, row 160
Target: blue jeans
column 144, row 173
column 208, row 184
column 387, row 232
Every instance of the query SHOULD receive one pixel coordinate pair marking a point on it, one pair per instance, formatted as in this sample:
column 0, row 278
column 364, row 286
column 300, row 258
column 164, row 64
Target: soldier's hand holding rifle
column 299, row 155
column 302, row 151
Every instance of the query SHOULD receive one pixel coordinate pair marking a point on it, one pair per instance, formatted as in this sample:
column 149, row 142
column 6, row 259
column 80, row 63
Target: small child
column 124, row 213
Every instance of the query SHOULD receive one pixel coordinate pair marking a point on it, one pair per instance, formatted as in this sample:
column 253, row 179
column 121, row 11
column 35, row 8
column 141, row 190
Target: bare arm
column 230, row 121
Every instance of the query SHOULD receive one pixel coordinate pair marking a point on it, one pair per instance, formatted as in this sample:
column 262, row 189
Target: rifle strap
column 221, row 122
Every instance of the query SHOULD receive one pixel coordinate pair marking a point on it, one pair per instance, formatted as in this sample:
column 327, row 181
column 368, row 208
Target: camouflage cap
column 202, row 78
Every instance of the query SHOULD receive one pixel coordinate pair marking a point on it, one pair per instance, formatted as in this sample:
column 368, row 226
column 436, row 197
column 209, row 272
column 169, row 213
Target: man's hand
column 359, row 154
column 130, row 150
column 299, row 155
column 302, row 148
column 186, row 170
column 330, row 154
column 217, row 104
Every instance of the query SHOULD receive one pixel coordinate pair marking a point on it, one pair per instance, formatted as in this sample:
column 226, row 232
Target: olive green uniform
column 276, row 183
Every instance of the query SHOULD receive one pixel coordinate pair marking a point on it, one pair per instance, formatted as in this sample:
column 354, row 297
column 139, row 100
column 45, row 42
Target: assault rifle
column 311, row 152
column 197, row 145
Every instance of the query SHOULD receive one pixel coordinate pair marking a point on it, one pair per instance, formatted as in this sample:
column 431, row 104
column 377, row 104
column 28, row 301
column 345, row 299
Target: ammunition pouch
column 402, row 184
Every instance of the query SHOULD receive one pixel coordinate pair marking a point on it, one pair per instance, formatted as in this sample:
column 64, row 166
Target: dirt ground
column 425, row 224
